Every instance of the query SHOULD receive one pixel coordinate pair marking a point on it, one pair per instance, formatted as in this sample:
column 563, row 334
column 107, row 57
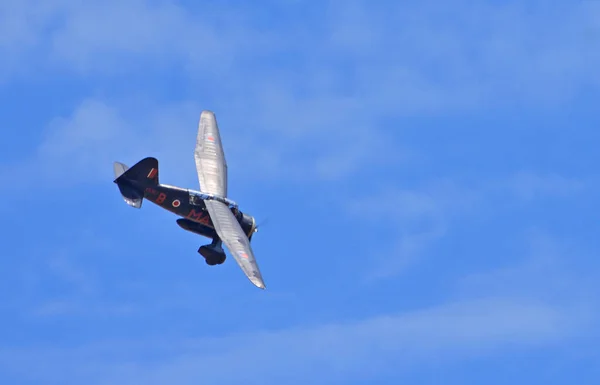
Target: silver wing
column 232, row 235
column 212, row 175
column 210, row 158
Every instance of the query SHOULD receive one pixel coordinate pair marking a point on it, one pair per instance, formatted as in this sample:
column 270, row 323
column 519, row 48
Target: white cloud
column 81, row 147
column 434, row 200
column 359, row 65
column 468, row 54
column 529, row 186
column 20, row 33
column 340, row 351
column 422, row 215
column 121, row 36
column 415, row 217
column 399, row 58
column 548, row 269
column 438, row 200
column 116, row 37
column 329, row 101
column 403, row 251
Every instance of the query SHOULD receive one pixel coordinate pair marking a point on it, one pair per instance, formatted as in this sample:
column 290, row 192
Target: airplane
column 207, row 212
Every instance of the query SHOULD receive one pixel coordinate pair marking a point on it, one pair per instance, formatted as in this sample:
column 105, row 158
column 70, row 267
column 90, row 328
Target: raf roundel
column 176, row 203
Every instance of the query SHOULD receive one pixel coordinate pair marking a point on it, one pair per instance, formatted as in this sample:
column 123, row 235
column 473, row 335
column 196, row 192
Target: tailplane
column 133, row 181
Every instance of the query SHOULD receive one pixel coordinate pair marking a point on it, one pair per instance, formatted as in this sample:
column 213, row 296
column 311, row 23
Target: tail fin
column 132, row 181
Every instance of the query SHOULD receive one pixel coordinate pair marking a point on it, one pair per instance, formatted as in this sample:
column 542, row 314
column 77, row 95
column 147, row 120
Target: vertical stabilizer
column 133, row 181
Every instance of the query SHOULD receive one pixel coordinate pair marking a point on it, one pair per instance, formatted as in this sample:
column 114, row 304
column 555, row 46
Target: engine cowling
column 247, row 223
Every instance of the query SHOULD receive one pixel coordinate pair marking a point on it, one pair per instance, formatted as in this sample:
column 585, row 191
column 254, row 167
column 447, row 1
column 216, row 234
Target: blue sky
column 428, row 173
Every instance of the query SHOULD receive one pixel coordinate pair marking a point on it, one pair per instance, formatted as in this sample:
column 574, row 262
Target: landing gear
column 213, row 253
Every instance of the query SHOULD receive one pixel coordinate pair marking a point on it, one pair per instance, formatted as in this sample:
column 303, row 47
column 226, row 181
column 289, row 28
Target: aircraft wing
column 210, row 158
column 232, row 235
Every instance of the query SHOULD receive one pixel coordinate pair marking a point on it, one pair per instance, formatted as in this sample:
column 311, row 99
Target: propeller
column 259, row 225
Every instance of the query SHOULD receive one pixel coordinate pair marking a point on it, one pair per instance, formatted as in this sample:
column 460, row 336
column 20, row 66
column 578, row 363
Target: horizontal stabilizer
column 130, row 195
column 120, row 169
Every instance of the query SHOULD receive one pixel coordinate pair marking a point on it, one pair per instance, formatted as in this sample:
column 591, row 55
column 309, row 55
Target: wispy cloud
column 528, row 186
column 339, row 351
column 545, row 270
column 80, row 148
column 321, row 102
column 491, row 53
column 405, row 251
column 539, row 302
column 424, row 214
column 517, row 49
column 356, row 67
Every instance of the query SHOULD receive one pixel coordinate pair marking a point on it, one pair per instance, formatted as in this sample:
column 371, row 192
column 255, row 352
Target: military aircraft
column 207, row 212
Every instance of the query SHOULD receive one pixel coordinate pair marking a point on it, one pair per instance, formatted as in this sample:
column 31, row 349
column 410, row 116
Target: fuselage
column 189, row 205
